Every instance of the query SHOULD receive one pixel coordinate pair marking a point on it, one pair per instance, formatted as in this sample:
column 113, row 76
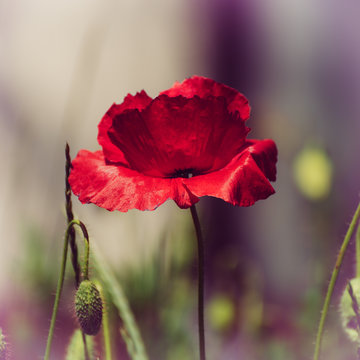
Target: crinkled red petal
column 204, row 87
column 112, row 152
column 264, row 152
column 244, row 180
column 116, row 187
column 176, row 133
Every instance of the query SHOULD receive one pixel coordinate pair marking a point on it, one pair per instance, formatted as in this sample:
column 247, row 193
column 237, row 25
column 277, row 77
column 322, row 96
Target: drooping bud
column 350, row 309
column 88, row 307
column 4, row 347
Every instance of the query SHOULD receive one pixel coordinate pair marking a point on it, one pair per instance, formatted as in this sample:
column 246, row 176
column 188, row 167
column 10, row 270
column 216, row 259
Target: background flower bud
column 348, row 316
column 88, row 307
column 4, row 348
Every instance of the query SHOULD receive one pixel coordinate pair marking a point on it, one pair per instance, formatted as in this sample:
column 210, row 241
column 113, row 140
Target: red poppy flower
column 188, row 142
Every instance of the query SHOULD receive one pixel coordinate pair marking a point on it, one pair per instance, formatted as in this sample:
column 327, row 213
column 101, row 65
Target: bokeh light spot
column 313, row 173
column 221, row 312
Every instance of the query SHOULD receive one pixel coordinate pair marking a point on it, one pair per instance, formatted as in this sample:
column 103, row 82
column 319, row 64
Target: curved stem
column 87, row 250
column 62, row 276
column 70, row 217
column 201, row 271
column 333, row 281
column 358, row 251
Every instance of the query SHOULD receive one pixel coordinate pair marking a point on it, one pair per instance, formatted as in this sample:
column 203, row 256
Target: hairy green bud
column 88, row 307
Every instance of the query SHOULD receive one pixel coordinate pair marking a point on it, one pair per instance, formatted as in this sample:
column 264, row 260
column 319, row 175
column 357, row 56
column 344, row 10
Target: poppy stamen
column 183, row 173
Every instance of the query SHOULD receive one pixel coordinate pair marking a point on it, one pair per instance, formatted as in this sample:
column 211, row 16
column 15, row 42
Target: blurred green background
column 63, row 64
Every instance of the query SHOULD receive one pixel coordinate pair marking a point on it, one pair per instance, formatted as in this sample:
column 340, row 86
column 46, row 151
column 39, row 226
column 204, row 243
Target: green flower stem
column 133, row 340
column 86, row 351
column 106, row 335
column 201, row 272
column 105, row 322
column 333, row 281
column 358, row 251
column 62, row 276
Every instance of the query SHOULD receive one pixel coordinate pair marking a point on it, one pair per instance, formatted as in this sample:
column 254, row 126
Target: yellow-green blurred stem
column 358, row 251
column 332, row 282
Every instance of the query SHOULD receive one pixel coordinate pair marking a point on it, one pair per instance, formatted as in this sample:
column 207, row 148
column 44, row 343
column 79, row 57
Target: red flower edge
column 152, row 147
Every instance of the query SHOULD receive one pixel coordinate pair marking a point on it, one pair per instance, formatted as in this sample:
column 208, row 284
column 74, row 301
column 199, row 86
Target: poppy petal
column 112, row 152
column 244, row 180
column 204, row 87
column 151, row 147
column 116, row 187
column 264, row 153
column 179, row 134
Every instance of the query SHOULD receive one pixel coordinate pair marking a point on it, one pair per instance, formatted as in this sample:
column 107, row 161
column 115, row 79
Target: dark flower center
column 183, row 173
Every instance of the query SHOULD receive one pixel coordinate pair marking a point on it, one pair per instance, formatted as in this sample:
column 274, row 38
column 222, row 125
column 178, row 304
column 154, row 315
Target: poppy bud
column 349, row 309
column 88, row 307
column 4, row 348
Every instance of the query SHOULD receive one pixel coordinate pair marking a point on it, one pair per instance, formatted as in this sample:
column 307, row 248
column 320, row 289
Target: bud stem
column 332, row 282
column 86, row 351
column 62, row 275
column 70, row 217
column 87, row 250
